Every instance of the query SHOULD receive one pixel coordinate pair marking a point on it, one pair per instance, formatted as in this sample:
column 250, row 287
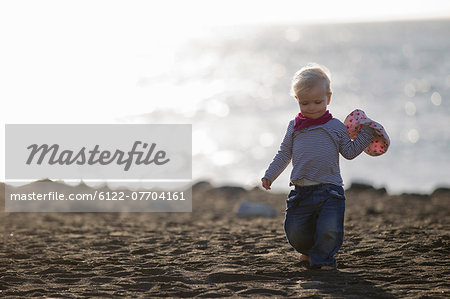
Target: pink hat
column 380, row 142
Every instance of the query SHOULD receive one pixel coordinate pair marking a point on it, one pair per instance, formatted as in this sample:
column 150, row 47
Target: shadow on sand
column 335, row 283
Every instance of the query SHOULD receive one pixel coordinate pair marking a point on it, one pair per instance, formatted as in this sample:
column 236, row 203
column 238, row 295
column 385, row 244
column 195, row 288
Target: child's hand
column 266, row 183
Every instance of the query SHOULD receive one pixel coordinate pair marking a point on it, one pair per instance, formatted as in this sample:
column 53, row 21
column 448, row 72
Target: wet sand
column 394, row 247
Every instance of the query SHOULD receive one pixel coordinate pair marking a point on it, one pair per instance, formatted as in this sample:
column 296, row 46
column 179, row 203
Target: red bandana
column 302, row 122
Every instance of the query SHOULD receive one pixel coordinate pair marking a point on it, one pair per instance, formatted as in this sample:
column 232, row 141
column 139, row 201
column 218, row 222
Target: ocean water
column 233, row 85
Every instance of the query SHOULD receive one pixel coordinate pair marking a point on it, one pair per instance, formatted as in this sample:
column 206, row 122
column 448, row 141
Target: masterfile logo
column 151, row 163
column 98, row 152
column 94, row 156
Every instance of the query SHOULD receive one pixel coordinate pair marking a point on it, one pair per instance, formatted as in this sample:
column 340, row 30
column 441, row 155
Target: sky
column 63, row 61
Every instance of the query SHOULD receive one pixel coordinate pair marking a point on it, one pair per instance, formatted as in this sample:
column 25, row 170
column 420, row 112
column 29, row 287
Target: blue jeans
column 314, row 223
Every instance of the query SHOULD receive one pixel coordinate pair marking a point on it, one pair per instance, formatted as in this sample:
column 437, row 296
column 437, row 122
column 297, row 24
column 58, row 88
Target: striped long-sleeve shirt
column 314, row 151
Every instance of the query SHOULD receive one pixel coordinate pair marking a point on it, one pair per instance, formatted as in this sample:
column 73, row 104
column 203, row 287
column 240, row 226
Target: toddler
column 314, row 223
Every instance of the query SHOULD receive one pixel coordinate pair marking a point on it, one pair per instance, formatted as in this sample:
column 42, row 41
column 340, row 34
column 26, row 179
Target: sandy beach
column 395, row 246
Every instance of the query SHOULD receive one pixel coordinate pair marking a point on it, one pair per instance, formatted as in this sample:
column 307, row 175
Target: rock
column 228, row 191
column 418, row 196
column 442, row 192
column 372, row 211
column 2, row 197
column 361, row 187
column 248, row 209
column 201, row 186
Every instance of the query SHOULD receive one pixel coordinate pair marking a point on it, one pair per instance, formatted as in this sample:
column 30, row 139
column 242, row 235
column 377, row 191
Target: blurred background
column 225, row 67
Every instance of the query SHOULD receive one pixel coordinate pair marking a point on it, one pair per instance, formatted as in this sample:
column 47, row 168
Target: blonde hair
column 309, row 77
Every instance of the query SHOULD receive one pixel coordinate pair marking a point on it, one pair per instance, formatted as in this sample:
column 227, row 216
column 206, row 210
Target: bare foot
column 304, row 258
column 328, row 267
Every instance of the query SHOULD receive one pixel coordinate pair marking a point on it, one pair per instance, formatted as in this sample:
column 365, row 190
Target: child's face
column 313, row 103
